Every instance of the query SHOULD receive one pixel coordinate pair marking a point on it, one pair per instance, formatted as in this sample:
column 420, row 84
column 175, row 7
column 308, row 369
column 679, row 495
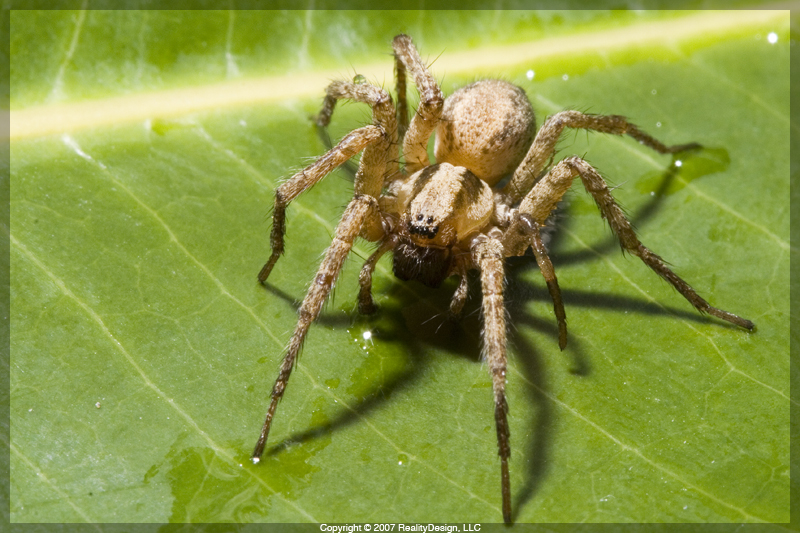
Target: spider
column 452, row 216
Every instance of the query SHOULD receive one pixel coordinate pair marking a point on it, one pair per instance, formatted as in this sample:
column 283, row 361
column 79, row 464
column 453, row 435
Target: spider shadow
column 417, row 318
column 325, row 318
column 421, row 323
column 522, row 322
column 402, row 314
column 542, row 425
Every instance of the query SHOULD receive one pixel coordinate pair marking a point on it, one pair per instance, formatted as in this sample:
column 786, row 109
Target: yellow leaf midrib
column 57, row 118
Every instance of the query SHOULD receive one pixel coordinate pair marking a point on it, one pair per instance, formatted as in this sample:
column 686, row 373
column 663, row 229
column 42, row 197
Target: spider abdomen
column 486, row 127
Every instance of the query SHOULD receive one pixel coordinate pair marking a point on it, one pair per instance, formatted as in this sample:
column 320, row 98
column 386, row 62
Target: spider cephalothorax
column 444, row 219
column 438, row 207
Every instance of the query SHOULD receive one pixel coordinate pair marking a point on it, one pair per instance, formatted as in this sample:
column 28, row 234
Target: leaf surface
column 144, row 351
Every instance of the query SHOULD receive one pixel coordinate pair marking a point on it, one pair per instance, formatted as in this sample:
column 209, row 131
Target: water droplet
column 358, row 79
column 772, row 38
column 678, row 163
column 658, row 124
column 654, row 92
column 565, row 77
column 530, row 74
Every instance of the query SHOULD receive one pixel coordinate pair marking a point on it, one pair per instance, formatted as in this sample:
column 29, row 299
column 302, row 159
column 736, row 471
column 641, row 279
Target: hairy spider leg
column 462, row 291
column 524, row 232
column 549, row 274
column 375, row 140
column 402, row 102
column 358, row 212
column 487, row 254
column 366, row 305
column 415, row 140
column 362, row 216
column 544, row 145
column 352, row 144
column 544, row 197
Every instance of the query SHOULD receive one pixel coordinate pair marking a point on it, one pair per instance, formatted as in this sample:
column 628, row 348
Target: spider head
column 442, row 204
column 424, row 227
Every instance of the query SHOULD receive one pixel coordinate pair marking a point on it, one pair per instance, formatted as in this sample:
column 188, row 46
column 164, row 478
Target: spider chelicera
column 447, row 218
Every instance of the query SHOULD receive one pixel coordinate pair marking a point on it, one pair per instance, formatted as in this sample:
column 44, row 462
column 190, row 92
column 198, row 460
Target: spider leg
column 544, row 145
column 375, row 140
column 523, row 232
column 305, row 179
column 366, row 305
column 415, row 141
column 383, row 113
column 549, row 273
column 358, row 212
column 462, row 291
column 402, row 104
column 545, row 195
column 487, row 253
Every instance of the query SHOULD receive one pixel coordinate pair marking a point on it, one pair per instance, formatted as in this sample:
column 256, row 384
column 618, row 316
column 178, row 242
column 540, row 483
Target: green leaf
column 144, row 350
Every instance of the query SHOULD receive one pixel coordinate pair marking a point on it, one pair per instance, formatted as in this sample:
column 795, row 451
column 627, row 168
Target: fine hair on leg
column 544, row 145
column 544, row 197
column 415, row 140
column 374, row 140
column 354, row 217
column 366, row 304
column 488, row 257
column 307, row 178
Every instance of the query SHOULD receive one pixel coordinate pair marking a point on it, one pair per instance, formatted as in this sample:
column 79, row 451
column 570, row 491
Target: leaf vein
column 731, row 366
column 66, row 497
column 219, row 450
column 57, row 92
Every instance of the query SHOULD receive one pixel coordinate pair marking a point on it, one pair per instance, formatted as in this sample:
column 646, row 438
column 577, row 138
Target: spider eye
column 419, row 217
column 430, row 220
